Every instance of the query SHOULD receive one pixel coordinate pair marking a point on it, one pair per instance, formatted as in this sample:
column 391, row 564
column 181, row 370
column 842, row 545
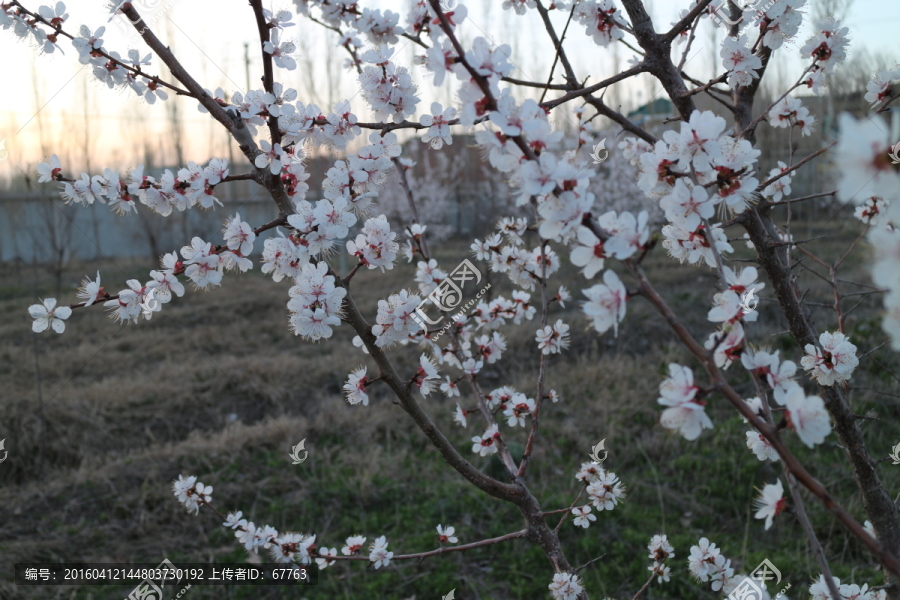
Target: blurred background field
column 100, row 420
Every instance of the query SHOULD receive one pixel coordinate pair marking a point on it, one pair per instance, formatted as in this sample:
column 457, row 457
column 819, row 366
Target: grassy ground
column 218, row 387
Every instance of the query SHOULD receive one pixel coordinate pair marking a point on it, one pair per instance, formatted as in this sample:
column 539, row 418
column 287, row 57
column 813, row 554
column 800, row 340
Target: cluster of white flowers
column 777, row 20
column 880, row 88
column 553, row 339
column 834, row 362
column 289, row 547
column 740, row 61
column 604, row 488
column 685, row 412
column 691, row 172
column 565, row 586
column 191, row 493
column 730, row 310
column 494, row 314
column 828, row 44
column 516, row 408
column 379, row 555
column 202, row 263
column 627, row 236
column 387, row 88
column 599, row 20
column 191, row 186
column 781, row 187
column 132, row 302
column 396, row 320
column 660, row 551
column 677, row 171
column 375, row 246
column 871, row 181
column 358, row 179
column 523, row 267
column 378, row 27
column 849, row 591
column 315, row 302
column 106, row 65
column 606, row 303
column 707, row 564
column 790, row 112
column 806, row 414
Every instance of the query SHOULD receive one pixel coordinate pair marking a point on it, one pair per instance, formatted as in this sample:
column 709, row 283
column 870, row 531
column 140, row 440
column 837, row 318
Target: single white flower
column 770, row 503
column 48, row 315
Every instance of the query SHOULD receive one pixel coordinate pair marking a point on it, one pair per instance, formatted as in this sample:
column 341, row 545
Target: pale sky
column 51, row 98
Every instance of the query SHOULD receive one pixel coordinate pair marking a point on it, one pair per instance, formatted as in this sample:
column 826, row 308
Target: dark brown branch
column 681, row 25
column 657, row 58
column 789, row 170
column 588, row 90
column 268, row 72
column 536, row 84
column 621, row 119
column 277, row 222
column 136, row 70
column 231, row 121
column 571, row 80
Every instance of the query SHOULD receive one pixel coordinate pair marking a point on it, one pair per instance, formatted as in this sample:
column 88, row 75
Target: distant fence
column 43, row 229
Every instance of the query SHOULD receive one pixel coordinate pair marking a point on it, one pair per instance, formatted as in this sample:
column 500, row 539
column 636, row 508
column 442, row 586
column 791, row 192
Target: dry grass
column 218, row 387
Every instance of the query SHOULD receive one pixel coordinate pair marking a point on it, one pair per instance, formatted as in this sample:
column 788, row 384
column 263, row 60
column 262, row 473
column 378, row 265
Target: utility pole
column 247, row 65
